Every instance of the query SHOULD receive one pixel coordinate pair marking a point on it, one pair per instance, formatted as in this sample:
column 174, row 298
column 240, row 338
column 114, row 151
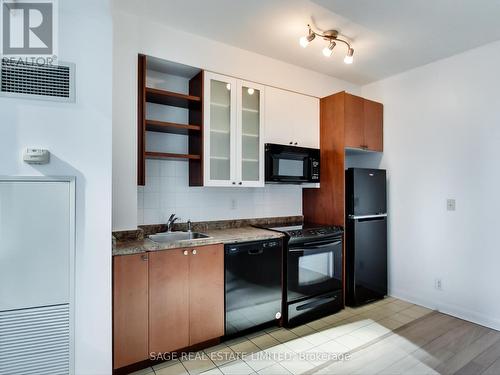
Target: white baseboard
column 453, row 310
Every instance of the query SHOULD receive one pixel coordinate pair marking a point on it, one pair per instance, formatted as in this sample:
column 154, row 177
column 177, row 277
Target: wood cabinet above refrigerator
column 347, row 122
column 363, row 123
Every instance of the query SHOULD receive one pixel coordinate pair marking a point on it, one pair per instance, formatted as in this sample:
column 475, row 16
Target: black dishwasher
column 252, row 284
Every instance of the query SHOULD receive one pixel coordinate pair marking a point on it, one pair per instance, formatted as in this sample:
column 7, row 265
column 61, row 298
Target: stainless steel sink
column 176, row 236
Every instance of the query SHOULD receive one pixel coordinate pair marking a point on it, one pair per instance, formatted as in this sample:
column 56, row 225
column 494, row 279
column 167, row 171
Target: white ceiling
column 389, row 36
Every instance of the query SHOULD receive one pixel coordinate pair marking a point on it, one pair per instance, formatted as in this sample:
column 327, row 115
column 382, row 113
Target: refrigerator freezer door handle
column 357, row 217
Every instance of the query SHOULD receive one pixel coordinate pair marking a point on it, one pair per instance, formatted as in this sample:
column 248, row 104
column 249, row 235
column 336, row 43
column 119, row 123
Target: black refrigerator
column 366, row 235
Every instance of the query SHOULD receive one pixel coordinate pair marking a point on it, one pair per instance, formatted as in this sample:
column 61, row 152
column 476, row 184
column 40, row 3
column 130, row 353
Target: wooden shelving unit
column 168, row 155
column 174, row 99
column 193, row 129
column 171, row 127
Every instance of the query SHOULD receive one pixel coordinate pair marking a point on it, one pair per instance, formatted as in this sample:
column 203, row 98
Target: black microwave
column 291, row 164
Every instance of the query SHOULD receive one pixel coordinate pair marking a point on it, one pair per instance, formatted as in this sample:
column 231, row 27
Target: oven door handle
column 308, row 244
column 314, row 249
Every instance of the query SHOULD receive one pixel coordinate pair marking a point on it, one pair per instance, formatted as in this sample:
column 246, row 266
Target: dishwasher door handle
column 255, row 252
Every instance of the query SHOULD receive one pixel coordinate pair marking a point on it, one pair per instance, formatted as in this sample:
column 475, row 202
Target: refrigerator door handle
column 358, row 217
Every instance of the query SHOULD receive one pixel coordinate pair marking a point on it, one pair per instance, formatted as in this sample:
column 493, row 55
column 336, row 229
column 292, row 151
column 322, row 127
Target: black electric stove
column 312, row 271
column 307, row 232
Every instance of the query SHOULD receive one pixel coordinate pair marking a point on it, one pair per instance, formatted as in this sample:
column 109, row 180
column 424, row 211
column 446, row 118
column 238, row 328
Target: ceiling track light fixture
column 332, row 36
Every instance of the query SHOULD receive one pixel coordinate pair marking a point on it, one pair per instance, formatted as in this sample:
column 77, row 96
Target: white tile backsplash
column 167, row 191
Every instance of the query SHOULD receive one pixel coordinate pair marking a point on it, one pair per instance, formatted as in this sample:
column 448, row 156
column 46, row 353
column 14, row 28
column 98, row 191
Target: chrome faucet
column 171, row 220
column 189, row 225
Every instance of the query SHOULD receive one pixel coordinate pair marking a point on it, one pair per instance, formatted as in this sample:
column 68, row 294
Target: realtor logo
column 29, row 30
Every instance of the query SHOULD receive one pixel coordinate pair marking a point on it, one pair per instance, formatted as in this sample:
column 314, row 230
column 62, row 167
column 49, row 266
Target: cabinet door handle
column 234, row 183
column 144, row 257
column 194, row 252
column 185, row 252
column 240, row 183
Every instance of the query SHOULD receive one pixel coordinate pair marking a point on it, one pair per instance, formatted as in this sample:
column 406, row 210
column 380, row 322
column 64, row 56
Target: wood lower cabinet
column 130, row 309
column 186, row 297
column 363, row 123
column 206, row 293
column 168, row 300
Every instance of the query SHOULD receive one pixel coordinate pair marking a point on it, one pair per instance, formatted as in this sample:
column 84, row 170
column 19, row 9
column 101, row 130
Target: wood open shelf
column 193, row 102
column 168, row 155
column 171, row 98
column 171, row 127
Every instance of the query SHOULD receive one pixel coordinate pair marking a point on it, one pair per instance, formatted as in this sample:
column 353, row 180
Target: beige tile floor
column 386, row 337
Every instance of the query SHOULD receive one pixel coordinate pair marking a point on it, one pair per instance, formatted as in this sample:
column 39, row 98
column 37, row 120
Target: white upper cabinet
column 219, row 130
column 250, row 129
column 233, row 132
column 291, row 118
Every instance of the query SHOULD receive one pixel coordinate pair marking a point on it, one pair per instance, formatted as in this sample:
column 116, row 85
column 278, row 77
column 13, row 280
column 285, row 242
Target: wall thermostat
column 36, row 156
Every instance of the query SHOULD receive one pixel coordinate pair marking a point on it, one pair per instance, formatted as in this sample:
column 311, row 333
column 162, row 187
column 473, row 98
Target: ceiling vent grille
column 33, row 81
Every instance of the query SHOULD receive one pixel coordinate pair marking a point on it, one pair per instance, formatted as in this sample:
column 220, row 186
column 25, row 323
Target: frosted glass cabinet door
column 250, row 134
column 220, row 124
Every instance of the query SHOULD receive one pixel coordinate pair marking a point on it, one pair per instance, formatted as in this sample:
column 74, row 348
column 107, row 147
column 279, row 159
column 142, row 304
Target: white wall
column 167, row 191
column 79, row 137
column 442, row 138
column 133, row 35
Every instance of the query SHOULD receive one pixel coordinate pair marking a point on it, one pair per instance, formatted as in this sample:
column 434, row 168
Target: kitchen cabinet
column 347, row 121
column 206, row 293
column 186, row 297
column 374, row 124
column 169, row 300
column 181, row 114
column 363, row 123
column 233, row 132
column 291, row 118
column 130, row 309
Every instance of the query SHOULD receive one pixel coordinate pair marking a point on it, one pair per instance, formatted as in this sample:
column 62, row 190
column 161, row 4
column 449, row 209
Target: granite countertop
column 217, row 236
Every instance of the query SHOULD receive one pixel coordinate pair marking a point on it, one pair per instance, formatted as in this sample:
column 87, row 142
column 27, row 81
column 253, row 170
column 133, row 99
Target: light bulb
column 303, row 42
column 348, row 59
column 228, row 86
column 327, row 52
column 250, row 91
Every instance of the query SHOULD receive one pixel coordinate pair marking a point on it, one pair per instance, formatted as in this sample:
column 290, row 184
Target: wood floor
column 386, row 337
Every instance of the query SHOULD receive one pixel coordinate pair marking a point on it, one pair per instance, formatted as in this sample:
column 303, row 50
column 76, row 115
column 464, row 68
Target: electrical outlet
column 438, row 284
column 451, row 204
